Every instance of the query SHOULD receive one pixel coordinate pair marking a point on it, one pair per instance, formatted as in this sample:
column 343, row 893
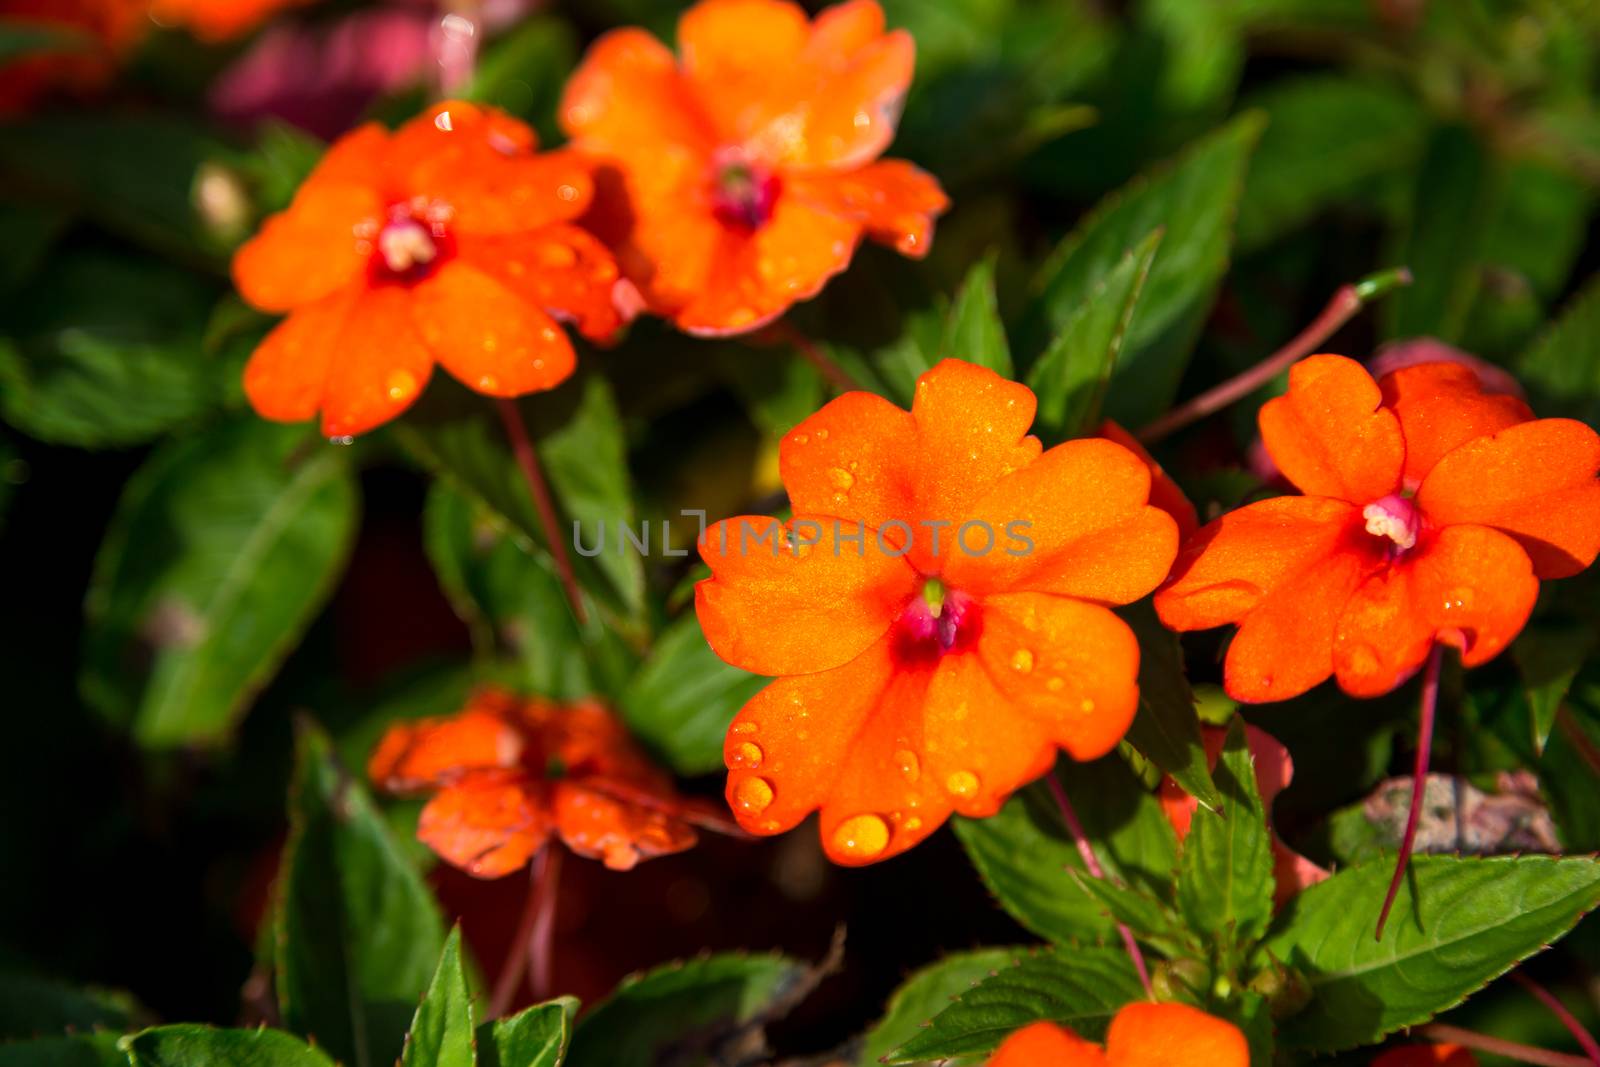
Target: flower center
column 1395, row 517
column 941, row 620
column 410, row 244
column 743, row 193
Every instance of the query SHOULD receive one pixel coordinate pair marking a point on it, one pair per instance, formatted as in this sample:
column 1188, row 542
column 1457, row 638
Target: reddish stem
column 1348, row 300
column 547, row 893
column 528, row 460
column 1454, row 1035
column 1075, row 828
column 1585, row 1039
column 824, row 363
column 505, row 986
column 1419, row 777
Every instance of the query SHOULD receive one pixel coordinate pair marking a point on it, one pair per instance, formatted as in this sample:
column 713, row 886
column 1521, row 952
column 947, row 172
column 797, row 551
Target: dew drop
column 862, row 837
column 822, row 435
column 1363, row 659
column 1055, row 685
column 962, row 783
column 744, row 727
column 841, row 479
column 906, row 762
column 1022, row 661
column 753, row 795
column 1458, row 599
column 342, row 439
column 1086, row 705
column 913, row 824
column 745, row 754
column 488, row 383
column 402, row 384
column 801, row 439
column 768, row 826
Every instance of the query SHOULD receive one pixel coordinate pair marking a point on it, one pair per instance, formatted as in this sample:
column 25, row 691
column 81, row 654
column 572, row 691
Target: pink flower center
column 743, row 192
column 1394, row 517
column 410, row 244
column 941, row 620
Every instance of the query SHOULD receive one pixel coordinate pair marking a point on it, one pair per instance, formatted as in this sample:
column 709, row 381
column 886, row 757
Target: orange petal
column 1536, row 481
column 1072, row 667
column 773, row 609
column 1044, row 1044
column 628, row 101
column 855, row 458
column 486, row 336
column 1440, row 406
column 1234, row 562
column 309, row 251
column 288, row 372
column 1330, row 434
column 1173, row 1035
column 595, row 824
column 1467, row 586
column 1164, row 492
column 489, row 824
column 895, row 201
column 1074, row 521
column 379, row 364
column 412, row 755
column 560, row 269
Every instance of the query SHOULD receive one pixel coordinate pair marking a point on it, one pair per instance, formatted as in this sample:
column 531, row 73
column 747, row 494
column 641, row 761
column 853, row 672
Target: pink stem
column 547, row 890
column 1419, row 778
column 1075, row 828
column 528, row 460
column 837, row 375
column 1454, row 1035
column 1585, row 1039
column 1348, row 300
column 505, row 986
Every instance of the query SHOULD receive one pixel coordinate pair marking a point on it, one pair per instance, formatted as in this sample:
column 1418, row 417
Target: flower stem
column 528, row 460
column 1348, row 300
column 1086, row 851
column 511, row 972
column 1419, row 777
column 812, row 354
column 1454, row 1035
column 1585, row 1039
column 547, row 893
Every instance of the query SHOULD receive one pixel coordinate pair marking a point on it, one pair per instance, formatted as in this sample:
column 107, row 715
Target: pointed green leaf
column 1561, row 369
column 1079, row 987
column 357, row 929
column 536, row 1037
column 441, row 1033
column 1070, row 379
column 928, row 992
column 973, row 330
column 1225, row 872
column 1166, row 730
column 1149, row 918
column 1549, row 658
column 1456, row 925
column 223, row 549
column 188, row 1045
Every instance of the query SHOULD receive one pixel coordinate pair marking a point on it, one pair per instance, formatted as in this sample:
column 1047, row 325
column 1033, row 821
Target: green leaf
column 1456, row 182
column 441, row 1033
column 105, row 351
column 1194, row 199
column 1561, row 369
column 357, row 929
column 1567, row 775
column 1071, row 378
column 1079, row 987
column 188, row 1045
column 1148, row 917
column 681, row 1004
column 1024, row 853
column 1166, row 731
column 683, row 698
column 31, row 1005
column 973, row 330
column 1225, row 873
column 223, row 549
column 1549, row 658
column 1456, row 925
column 536, row 1037
column 1327, row 138
column 779, row 393
column 79, row 1050
column 926, row 993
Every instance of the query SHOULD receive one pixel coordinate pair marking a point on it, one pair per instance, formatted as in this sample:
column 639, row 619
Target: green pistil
column 933, row 594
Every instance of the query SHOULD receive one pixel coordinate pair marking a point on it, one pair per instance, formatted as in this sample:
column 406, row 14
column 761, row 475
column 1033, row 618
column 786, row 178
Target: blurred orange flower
column 448, row 240
column 939, row 620
column 507, row 773
column 1431, row 510
column 1274, row 771
column 742, row 176
column 218, row 20
column 1426, row 1056
column 95, row 34
column 1141, row 1035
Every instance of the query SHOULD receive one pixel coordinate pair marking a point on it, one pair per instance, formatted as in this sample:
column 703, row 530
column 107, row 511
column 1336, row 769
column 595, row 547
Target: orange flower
column 97, row 34
column 744, row 175
column 448, row 240
column 1431, row 511
column 507, row 773
column 939, row 623
column 1141, row 1035
column 1426, row 1056
column 1274, row 771
column 1164, row 492
column 218, row 20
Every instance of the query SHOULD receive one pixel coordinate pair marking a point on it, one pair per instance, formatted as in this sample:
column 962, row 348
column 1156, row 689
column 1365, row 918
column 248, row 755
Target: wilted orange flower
column 1141, row 1035
column 746, row 173
column 507, row 773
column 1274, row 769
column 448, row 240
column 96, row 33
column 939, row 621
column 218, row 20
column 1426, row 1056
column 1431, row 511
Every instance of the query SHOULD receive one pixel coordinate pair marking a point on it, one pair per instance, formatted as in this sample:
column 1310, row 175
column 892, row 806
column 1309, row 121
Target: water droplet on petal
column 1022, row 661
column 913, row 824
column 745, row 754
column 841, row 479
column 801, row 439
column 1086, row 705
column 744, row 727
column 962, row 783
column 822, row 435
column 753, row 795
column 861, row 837
column 402, row 384
column 488, row 383
column 908, row 765
column 1363, row 659
column 1459, row 598
column 1055, row 685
